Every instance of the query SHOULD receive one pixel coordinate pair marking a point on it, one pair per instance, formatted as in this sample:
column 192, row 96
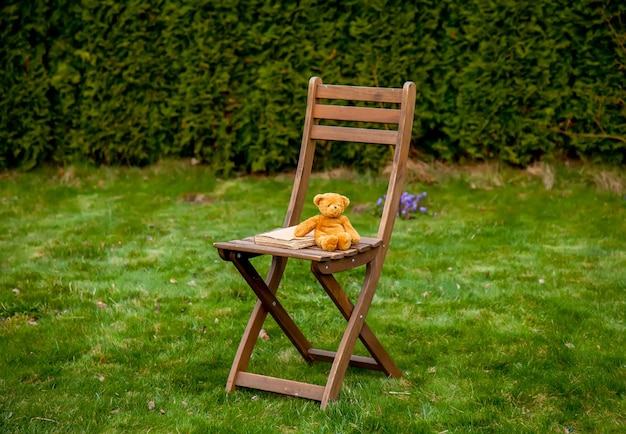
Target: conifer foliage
column 225, row 81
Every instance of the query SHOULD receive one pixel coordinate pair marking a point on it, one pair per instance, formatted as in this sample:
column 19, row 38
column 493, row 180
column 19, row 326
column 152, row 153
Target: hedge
column 225, row 81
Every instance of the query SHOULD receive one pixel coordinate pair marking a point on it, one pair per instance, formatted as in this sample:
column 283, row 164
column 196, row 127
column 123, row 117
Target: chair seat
column 316, row 254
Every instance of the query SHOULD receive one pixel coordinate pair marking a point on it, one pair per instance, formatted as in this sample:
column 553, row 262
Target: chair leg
column 345, row 306
column 273, row 306
column 352, row 332
column 255, row 323
column 246, row 345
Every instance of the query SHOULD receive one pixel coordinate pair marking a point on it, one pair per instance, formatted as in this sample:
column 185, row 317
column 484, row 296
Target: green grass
column 506, row 312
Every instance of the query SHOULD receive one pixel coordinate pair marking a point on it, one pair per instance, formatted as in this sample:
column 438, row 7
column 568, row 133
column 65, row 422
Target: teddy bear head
column 331, row 204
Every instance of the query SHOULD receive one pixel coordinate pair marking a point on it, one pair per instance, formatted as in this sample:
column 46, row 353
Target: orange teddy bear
column 332, row 229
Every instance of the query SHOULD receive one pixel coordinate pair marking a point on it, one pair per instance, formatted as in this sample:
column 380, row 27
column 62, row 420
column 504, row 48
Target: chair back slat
column 356, row 114
column 359, row 93
column 348, row 134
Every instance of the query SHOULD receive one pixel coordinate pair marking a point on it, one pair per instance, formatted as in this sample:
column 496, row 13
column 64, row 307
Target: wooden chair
column 370, row 252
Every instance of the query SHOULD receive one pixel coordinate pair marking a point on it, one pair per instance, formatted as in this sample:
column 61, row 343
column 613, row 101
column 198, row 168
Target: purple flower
column 409, row 204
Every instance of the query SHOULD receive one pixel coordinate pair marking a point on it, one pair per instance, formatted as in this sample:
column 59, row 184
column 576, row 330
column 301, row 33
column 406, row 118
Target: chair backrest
column 322, row 106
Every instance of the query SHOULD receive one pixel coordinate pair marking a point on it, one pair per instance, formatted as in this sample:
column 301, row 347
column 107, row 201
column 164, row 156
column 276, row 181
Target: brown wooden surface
column 356, row 361
column 383, row 360
column 255, row 323
column 358, row 93
column 360, row 114
column 248, row 245
column 352, row 332
column 305, row 160
column 279, row 385
column 370, row 252
column 349, row 134
column 272, row 305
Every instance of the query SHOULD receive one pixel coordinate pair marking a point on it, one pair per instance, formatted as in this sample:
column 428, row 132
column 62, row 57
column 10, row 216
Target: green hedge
column 225, row 81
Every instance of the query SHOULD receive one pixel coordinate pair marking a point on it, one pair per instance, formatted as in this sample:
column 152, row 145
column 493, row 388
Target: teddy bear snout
column 336, row 209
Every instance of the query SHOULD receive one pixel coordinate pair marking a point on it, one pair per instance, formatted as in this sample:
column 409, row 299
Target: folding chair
column 369, row 252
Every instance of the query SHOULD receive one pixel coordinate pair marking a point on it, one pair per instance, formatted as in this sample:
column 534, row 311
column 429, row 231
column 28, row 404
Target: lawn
column 506, row 311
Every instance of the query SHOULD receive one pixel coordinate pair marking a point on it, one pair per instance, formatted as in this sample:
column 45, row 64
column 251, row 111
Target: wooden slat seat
column 310, row 253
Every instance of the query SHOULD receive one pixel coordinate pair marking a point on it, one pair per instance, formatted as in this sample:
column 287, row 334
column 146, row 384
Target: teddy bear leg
column 328, row 242
column 343, row 241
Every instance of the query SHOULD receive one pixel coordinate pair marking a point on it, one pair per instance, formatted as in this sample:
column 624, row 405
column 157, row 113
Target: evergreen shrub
column 225, row 81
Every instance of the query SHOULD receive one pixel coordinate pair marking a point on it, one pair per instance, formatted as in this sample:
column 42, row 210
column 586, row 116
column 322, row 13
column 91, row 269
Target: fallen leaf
column 172, row 280
column 101, row 304
column 263, row 335
column 44, row 419
column 151, row 405
column 162, row 411
column 101, row 378
column 569, row 345
column 16, row 291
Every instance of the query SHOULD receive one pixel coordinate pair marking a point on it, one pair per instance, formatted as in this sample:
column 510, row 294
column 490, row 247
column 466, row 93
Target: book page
column 285, row 234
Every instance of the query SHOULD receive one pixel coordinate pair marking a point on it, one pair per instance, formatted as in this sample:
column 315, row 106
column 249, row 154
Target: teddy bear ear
column 318, row 198
column 346, row 201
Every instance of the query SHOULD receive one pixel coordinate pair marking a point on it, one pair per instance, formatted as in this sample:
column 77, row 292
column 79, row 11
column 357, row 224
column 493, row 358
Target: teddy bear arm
column 305, row 227
column 350, row 229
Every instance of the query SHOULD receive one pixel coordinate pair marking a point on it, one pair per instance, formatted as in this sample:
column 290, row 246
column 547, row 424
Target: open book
column 284, row 237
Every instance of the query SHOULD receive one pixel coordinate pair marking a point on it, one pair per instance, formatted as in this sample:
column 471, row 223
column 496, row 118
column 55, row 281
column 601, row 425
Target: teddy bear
column 332, row 230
